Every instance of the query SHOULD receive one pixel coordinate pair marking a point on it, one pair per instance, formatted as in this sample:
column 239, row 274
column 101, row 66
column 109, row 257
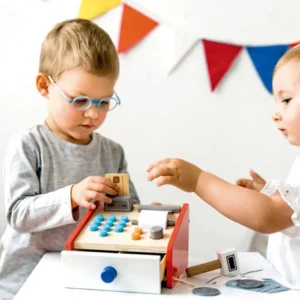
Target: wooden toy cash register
column 127, row 247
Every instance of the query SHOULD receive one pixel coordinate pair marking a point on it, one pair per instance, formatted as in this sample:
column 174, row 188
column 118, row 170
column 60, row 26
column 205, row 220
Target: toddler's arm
column 27, row 209
column 247, row 207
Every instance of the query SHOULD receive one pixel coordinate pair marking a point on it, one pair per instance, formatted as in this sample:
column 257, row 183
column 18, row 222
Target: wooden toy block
column 121, row 180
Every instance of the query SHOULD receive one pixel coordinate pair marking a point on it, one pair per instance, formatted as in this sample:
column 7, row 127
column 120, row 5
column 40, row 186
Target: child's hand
column 256, row 183
column 92, row 188
column 176, row 172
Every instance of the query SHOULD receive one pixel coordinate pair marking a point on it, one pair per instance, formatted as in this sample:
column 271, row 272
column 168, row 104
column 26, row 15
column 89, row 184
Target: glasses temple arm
column 58, row 88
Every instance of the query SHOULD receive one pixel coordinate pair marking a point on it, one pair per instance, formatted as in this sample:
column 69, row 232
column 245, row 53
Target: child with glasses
column 271, row 207
column 55, row 170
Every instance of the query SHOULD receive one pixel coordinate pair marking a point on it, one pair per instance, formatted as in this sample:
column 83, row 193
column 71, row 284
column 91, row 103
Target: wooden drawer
column 140, row 273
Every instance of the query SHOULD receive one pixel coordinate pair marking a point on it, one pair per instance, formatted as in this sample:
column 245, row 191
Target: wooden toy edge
column 177, row 261
column 79, row 227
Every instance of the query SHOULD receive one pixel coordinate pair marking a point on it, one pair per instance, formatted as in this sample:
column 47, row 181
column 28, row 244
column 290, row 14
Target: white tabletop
column 46, row 282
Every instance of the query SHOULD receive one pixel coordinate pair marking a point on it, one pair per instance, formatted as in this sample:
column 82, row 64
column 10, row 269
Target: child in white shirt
column 268, row 207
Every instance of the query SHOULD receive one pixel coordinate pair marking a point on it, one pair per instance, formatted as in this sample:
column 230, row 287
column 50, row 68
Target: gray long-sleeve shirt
column 39, row 170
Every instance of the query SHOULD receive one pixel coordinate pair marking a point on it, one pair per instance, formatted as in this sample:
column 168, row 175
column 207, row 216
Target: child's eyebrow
column 281, row 92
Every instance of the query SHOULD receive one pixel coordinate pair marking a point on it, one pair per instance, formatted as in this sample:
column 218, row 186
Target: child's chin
column 294, row 142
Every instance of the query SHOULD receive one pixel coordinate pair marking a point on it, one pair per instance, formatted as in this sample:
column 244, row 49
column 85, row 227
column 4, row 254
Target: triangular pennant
column 134, row 27
column 292, row 45
column 175, row 44
column 219, row 58
column 90, row 9
column 264, row 59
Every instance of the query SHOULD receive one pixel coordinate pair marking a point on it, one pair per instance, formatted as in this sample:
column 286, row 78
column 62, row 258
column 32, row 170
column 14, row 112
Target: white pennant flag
column 175, row 44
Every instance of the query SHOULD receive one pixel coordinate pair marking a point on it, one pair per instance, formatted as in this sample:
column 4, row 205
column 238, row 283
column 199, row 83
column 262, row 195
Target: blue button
column 107, row 227
column 125, row 218
column 109, row 222
column 93, row 227
column 108, row 274
column 119, row 228
column 122, row 223
column 100, row 217
column 103, row 233
column 113, row 218
column 97, row 222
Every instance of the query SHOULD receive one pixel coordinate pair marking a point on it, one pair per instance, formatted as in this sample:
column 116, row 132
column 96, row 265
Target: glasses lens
column 81, row 103
column 108, row 104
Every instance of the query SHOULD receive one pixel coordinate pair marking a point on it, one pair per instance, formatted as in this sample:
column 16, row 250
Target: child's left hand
column 176, row 172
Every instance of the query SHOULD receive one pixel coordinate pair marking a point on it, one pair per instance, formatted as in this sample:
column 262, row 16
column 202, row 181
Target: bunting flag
column 219, row 58
column 294, row 44
column 90, row 9
column 264, row 59
column 134, row 27
column 175, row 44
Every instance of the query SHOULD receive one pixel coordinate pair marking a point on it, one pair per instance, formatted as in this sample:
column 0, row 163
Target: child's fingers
column 161, row 170
column 163, row 161
column 242, row 182
column 165, row 180
column 93, row 195
column 256, row 177
column 103, row 181
column 86, row 204
column 102, row 188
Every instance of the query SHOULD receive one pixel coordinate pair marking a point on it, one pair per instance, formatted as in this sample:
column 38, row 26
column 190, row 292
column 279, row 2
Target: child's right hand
column 176, row 172
column 92, row 188
column 256, row 183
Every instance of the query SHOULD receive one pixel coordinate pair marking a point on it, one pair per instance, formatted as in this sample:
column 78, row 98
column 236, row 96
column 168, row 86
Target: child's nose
column 276, row 116
column 92, row 112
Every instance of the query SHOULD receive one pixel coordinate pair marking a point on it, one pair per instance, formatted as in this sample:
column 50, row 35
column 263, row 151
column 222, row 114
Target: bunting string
column 220, row 56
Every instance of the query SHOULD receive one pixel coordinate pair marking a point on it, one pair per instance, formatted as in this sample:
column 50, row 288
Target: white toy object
column 227, row 261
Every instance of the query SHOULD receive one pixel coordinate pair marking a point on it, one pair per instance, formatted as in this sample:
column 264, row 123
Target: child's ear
column 42, row 84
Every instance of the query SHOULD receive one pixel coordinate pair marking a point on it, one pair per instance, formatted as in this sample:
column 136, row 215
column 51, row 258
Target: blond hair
column 293, row 54
column 78, row 44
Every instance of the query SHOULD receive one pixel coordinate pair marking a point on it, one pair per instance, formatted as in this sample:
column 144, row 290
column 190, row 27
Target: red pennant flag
column 219, row 58
column 294, row 44
column 134, row 27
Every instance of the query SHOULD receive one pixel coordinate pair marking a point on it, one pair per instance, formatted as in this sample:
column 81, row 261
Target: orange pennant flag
column 134, row 27
column 91, row 9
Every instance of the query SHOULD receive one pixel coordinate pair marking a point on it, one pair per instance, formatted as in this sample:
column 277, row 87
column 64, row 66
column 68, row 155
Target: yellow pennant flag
column 91, row 9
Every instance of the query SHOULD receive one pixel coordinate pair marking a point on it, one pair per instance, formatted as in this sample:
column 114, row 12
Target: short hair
column 78, row 44
column 293, row 54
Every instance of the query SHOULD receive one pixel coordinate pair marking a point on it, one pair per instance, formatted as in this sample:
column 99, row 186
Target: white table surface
column 46, row 282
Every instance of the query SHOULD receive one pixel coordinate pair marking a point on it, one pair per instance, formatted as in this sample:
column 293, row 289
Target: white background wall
column 226, row 132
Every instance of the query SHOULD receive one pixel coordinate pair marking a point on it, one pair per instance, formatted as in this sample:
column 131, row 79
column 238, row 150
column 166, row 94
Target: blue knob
column 122, row 223
column 109, row 222
column 113, row 218
column 103, row 233
column 108, row 274
column 107, row 227
column 97, row 222
column 94, row 227
column 119, row 228
column 100, row 217
column 125, row 218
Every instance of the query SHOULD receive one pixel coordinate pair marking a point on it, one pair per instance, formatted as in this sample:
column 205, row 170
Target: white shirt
column 284, row 247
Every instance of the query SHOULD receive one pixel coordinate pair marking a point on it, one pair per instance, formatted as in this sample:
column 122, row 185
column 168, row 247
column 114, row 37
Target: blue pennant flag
column 264, row 59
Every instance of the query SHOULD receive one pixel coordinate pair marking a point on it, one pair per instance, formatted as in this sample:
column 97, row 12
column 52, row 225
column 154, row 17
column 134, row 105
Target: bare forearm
column 246, row 207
